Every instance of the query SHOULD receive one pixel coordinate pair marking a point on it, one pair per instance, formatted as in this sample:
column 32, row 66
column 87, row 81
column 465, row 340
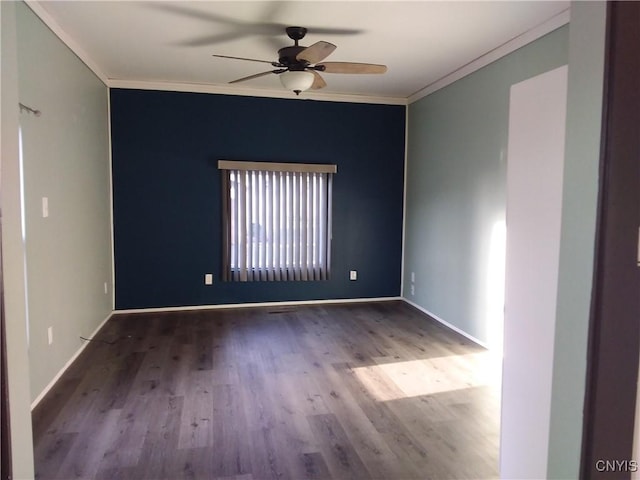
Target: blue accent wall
column 167, row 199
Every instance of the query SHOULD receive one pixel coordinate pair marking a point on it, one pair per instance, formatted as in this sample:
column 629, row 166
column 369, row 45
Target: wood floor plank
column 118, row 384
column 91, row 443
column 265, row 462
column 236, row 477
column 292, row 430
column 52, row 447
column 261, row 420
column 361, row 431
column 396, row 434
column 117, row 473
column 44, row 417
column 161, row 437
column 196, row 429
column 342, row 459
column 150, row 373
column 125, row 448
column 177, row 369
column 230, row 434
column 315, row 468
column 303, row 391
column 192, row 463
column 367, row 390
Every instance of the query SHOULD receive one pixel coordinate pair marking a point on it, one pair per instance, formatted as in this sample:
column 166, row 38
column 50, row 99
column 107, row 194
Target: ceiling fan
column 298, row 67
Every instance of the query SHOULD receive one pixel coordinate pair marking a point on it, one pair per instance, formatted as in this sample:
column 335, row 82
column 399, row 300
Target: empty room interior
column 211, row 272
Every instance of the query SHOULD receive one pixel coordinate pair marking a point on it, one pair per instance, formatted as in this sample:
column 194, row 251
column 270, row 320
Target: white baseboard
column 447, row 324
column 260, row 304
column 249, row 305
column 67, row 365
column 306, row 302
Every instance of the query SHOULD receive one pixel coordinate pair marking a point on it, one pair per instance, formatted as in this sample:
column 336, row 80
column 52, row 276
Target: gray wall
column 67, row 255
column 455, row 193
column 580, row 192
column 65, row 158
column 13, row 252
column 456, row 177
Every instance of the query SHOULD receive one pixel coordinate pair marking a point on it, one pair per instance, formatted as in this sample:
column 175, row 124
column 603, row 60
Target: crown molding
column 76, row 48
column 251, row 92
column 69, row 41
column 506, row 48
column 521, row 40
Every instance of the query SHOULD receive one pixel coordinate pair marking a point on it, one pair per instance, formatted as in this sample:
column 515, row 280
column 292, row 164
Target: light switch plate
column 353, row 275
column 208, row 279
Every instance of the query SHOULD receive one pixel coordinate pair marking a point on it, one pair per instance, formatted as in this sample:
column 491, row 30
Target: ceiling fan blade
column 257, row 75
column 195, row 13
column 351, row 67
column 318, row 81
column 316, row 52
column 275, row 64
column 334, row 31
column 205, row 14
column 265, row 26
column 210, row 39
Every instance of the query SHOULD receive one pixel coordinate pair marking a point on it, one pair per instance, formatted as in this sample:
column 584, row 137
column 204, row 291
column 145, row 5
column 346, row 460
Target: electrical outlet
column 353, row 275
column 50, row 335
column 208, row 278
column 413, row 290
column 45, row 207
column 106, row 288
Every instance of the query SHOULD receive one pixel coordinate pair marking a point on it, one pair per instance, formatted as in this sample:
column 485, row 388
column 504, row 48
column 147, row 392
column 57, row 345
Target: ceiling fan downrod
column 296, row 33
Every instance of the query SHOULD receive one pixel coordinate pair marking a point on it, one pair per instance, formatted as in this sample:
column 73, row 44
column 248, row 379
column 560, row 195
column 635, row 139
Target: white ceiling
column 171, row 42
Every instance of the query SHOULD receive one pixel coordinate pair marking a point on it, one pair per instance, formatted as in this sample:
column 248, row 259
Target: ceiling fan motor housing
column 287, row 57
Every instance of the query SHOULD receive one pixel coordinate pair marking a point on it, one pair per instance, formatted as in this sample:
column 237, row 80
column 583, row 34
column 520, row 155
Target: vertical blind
column 276, row 221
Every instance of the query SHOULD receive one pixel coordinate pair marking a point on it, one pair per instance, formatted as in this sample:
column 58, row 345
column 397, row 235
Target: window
column 276, row 221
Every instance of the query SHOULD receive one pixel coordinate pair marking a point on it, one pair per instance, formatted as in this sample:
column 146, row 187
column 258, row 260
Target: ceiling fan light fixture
column 297, row 80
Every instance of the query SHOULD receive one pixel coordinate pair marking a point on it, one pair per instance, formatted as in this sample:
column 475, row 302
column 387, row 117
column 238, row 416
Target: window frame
column 239, row 258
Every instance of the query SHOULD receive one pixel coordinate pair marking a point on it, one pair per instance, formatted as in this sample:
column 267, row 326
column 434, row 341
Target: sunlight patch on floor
column 392, row 381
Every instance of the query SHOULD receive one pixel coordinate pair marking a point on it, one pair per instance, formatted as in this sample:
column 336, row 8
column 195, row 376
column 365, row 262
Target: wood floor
column 357, row 391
